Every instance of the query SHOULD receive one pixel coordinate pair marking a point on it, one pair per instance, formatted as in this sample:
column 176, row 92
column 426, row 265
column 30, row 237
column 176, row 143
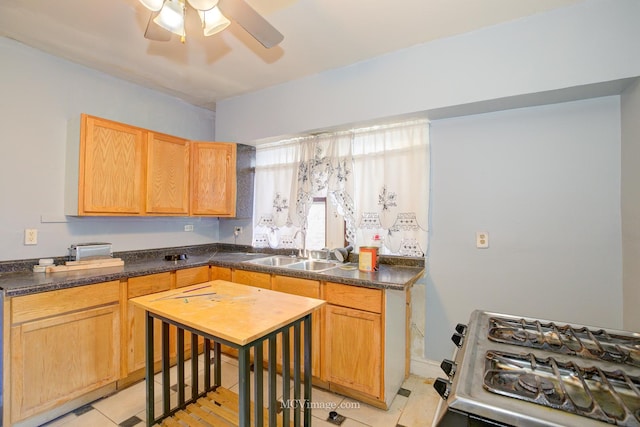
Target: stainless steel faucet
column 302, row 252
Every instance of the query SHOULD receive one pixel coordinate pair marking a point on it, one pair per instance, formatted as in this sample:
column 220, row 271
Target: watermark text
column 318, row 404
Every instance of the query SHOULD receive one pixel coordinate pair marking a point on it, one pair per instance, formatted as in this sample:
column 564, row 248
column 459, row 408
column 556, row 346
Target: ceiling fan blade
column 155, row 31
column 251, row 21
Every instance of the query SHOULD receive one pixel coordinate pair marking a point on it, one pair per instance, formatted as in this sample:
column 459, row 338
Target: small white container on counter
column 42, row 265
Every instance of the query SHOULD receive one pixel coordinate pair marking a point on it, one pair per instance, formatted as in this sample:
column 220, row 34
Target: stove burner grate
column 565, row 339
column 608, row 396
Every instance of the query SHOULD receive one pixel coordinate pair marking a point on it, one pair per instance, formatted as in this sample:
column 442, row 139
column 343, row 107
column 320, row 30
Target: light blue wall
column 591, row 42
column 631, row 205
column 543, row 181
column 39, row 94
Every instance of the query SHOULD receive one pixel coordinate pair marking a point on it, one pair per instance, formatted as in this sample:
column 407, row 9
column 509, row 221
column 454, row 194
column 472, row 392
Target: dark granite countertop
column 396, row 275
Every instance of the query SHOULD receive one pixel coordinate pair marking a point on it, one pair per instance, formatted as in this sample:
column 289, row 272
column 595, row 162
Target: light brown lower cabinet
column 187, row 277
column 353, row 349
column 353, row 355
column 306, row 288
column 135, row 326
column 136, row 317
column 192, row 276
column 64, row 344
column 220, row 273
column 251, row 278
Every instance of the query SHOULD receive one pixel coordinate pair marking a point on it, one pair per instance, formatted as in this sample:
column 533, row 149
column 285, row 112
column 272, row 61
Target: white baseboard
column 425, row 368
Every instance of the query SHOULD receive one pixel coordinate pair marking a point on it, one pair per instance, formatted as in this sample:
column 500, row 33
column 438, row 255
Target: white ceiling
column 319, row 35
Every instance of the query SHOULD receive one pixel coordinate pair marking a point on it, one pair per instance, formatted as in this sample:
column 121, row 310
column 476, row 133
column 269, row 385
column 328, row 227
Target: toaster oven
column 93, row 250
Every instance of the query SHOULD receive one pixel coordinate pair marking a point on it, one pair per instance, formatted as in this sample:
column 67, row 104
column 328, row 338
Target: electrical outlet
column 237, row 231
column 188, row 227
column 482, row 240
column 30, row 236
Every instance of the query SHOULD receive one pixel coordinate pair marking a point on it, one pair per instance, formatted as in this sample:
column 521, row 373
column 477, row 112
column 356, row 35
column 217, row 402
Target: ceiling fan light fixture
column 171, row 17
column 153, row 5
column 202, row 5
column 213, row 21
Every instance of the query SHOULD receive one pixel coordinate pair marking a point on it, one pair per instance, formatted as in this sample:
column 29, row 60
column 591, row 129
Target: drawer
column 354, row 297
column 291, row 285
column 221, row 273
column 251, row 278
column 191, row 276
column 52, row 303
column 145, row 285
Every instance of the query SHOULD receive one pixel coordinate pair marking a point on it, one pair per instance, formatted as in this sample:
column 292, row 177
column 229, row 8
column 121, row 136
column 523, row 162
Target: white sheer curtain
column 325, row 170
column 377, row 178
column 391, row 165
column 276, row 167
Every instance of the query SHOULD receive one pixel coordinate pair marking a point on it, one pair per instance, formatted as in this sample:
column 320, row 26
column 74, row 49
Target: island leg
column 307, row 370
column 149, row 368
column 244, row 397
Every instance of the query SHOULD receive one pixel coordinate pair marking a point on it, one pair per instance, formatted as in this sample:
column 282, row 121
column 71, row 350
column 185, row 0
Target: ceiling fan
column 168, row 16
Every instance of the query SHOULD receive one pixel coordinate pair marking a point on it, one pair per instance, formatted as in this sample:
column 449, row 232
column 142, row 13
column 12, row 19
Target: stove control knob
column 457, row 339
column 449, row 367
column 443, row 387
column 461, row 329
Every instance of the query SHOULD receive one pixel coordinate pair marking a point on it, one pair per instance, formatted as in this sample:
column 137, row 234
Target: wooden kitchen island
column 248, row 319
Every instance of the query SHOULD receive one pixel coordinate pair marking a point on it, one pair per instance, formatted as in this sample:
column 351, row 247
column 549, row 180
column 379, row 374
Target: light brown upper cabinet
column 167, row 175
column 111, row 168
column 114, row 169
column 213, row 183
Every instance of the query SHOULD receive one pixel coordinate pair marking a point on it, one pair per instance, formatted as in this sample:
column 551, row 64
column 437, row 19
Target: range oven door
column 453, row 418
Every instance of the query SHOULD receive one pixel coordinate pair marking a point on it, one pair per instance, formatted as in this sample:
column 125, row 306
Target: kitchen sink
column 244, row 253
column 274, row 261
column 313, row 265
column 293, row 263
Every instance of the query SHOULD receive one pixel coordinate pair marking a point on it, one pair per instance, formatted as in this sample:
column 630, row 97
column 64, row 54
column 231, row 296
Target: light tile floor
column 414, row 406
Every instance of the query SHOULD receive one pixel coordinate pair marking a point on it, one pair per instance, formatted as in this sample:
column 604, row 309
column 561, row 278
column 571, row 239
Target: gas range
column 512, row 371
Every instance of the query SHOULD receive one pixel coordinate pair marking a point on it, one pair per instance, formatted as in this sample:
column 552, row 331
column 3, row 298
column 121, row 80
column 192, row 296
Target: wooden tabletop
column 237, row 313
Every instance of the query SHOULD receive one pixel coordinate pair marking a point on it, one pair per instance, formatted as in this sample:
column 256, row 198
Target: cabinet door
column 167, row 175
column 60, row 358
column 213, row 179
column 353, row 349
column 110, row 172
column 251, row 278
column 310, row 289
column 188, row 277
column 136, row 318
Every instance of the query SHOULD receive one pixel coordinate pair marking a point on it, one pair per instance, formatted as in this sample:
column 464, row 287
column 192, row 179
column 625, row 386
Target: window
column 317, row 224
column 344, row 187
column 325, row 227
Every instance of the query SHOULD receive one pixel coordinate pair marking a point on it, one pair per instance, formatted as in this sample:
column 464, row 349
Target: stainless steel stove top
column 584, row 342
column 532, row 372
